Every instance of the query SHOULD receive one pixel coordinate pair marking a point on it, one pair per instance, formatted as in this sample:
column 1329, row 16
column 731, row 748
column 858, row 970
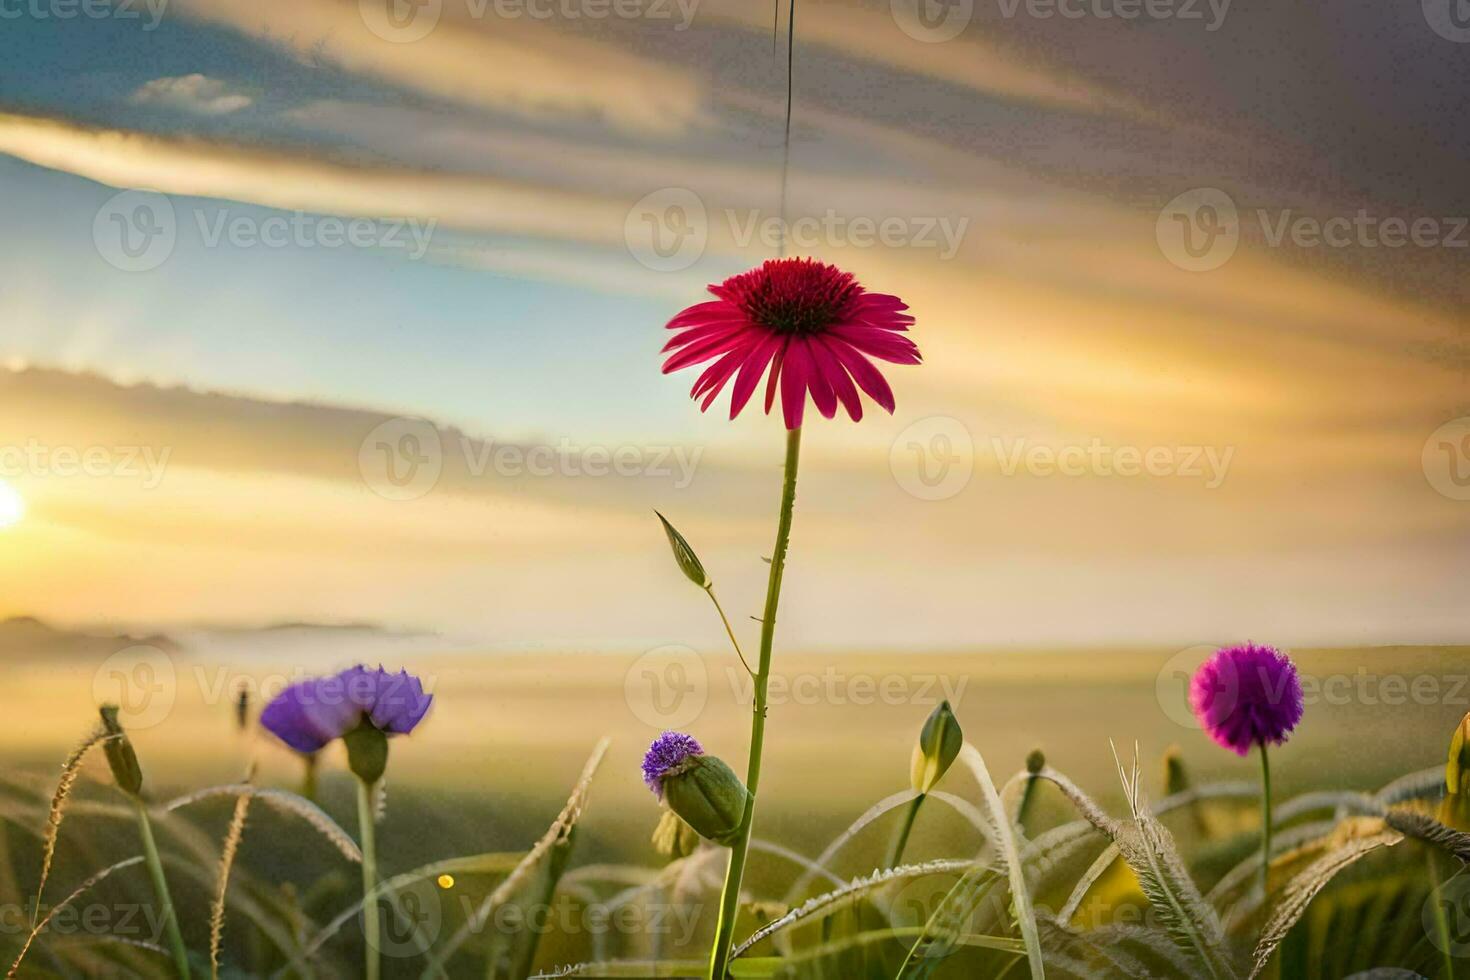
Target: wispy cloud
column 192, row 93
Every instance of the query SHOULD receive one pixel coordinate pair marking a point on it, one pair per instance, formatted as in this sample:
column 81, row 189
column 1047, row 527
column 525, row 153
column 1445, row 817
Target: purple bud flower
column 701, row 789
column 309, row 714
column 1246, row 696
column 669, row 753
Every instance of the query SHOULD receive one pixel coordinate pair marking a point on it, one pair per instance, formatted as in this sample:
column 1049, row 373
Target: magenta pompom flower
column 310, row 713
column 669, row 753
column 1246, row 696
column 813, row 325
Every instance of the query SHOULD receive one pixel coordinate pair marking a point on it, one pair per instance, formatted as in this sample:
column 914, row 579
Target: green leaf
column 688, row 561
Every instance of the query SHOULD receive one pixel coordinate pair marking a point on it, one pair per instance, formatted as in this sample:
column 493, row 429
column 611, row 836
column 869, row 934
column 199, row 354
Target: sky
column 316, row 310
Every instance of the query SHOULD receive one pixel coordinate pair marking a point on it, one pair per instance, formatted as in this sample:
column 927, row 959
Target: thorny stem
column 730, row 896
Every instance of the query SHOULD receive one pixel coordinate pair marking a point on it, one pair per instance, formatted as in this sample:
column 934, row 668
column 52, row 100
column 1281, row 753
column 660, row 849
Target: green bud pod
column 1454, row 809
column 708, row 795
column 1454, row 770
column 1176, row 780
column 688, row 561
column 1035, row 762
column 121, row 758
column 673, row 838
column 940, row 741
column 367, row 752
column 242, row 708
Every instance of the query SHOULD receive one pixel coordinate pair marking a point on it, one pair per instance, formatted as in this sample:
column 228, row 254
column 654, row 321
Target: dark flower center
column 794, row 296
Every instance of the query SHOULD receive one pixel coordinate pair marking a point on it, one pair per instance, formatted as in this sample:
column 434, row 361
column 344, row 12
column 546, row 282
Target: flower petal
column 818, row 383
column 699, row 313
column 715, row 376
column 885, row 346
column 794, row 373
column 703, row 350
column 868, row 378
column 831, row 368
column 775, row 377
column 750, row 372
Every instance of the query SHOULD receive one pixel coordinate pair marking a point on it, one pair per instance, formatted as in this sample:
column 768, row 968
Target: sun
column 12, row 505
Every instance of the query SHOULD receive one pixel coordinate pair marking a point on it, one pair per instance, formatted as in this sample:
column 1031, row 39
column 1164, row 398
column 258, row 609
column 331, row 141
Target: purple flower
column 309, row 714
column 668, row 754
column 1246, row 696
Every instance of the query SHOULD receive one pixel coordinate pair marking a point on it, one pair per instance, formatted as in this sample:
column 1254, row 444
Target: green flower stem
column 160, row 890
column 710, row 590
column 1437, row 879
column 1265, row 826
column 730, row 896
column 369, row 878
column 901, row 840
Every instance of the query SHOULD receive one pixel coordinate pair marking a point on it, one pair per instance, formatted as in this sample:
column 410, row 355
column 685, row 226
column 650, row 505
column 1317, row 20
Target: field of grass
column 508, row 734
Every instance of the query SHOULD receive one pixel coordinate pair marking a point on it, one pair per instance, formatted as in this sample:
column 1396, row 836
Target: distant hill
column 28, row 637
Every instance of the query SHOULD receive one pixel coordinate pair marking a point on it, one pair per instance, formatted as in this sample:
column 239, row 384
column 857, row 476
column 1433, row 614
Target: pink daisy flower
column 812, row 324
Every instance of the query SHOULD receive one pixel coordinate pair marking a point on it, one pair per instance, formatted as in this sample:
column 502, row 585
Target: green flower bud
column 673, row 838
column 1454, row 770
column 940, row 741
column 1454, row 809
column 367, row 752
column 684, row 555
column 121, row 758
column 1176, row 780
column 708, row 795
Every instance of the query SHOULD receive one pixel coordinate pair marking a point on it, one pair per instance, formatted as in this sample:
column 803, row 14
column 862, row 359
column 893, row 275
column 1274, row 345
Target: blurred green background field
column 508, row 733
